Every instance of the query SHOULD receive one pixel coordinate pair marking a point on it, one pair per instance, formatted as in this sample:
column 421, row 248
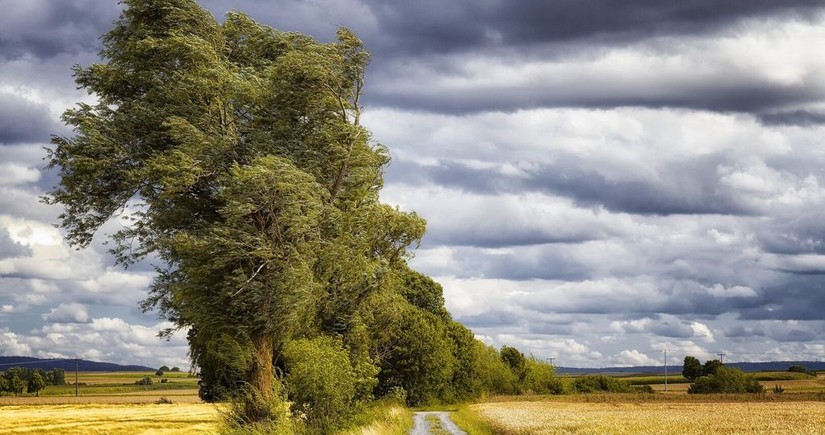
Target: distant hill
column 68, row 365
column 772, row 366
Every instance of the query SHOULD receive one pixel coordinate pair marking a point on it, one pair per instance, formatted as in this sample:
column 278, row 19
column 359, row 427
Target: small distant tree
column 163, row 369
column 726, row 380
column 692, row 368
column 711, row 367
column 16, row 384
column 159, row 373
column 4, row 385
column 57, row 377
column 36, row 383
column 174, row 369
column 145, row 381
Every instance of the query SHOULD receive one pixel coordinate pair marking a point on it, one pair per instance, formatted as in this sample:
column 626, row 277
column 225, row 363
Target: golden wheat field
column 626, row 418
column 110, row 419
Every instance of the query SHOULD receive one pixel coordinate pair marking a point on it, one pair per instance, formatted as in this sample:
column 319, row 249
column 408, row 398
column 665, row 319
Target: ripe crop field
column 110, row 419
column 626, row 418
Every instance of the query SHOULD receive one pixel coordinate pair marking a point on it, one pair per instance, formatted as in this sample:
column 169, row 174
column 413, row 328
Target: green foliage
column 726, row 380
column 175, row 369
column 494, row 374
column 466, row 383
column 599, row 384
column 251, row 176
column 423, row 292
column 799, row 368
column 692, row 368
column 56, row 376
column 320, row 381
column 5, row 387
column 159, row 373
column 540, row 378
column 36, row 383
column 145, row 381
column 163, row 369
column 515, row 360
column 711, row 367
column 420, row 360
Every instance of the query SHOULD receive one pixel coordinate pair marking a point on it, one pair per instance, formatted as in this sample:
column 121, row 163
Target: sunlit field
column 627, row 417
column 111, row 419
column 114, row 387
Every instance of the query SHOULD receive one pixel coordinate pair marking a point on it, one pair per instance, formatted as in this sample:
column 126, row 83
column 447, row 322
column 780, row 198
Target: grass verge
column 470, row 421
column 384, row 417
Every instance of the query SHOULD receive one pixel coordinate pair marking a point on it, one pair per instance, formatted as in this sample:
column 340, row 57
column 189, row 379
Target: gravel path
column 422, row 426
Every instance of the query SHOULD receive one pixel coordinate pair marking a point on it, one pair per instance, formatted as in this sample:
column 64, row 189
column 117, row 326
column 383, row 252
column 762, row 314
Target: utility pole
column 665, row 370
column 76, row 367
column 721, row 356
column 551, row 359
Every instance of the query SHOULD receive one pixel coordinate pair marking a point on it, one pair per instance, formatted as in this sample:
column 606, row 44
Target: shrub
column 726, row 380
column 601, row 384
column 540, row 378
column 320, row 382
column 164, row 380
column 145, row 381
column 646, row 389
column 778, row 389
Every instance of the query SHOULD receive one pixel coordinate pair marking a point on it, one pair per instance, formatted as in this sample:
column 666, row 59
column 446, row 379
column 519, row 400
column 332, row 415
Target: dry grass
column 110, row 419
column 625, row 418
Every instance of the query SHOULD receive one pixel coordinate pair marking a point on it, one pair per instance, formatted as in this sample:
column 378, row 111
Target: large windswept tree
column 239, row 153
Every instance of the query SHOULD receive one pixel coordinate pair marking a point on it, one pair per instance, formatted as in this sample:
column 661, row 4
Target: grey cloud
column 45, row 28
column 68, row 313
column 740, row 331
column 672, row 329
column 461, row 25
column 23, row 121
column 800, row 118
column 796, row 296
column 9, row 248
column 743, row 95
column 691, row 188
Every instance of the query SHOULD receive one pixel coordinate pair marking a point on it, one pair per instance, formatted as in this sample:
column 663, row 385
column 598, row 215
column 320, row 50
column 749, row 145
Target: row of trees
column 240, row 154
column 714, row 377
column 16, row 379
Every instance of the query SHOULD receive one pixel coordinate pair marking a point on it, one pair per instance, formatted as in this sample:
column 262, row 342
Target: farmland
column 112, row 403
column 112, row 419
column 622, row 417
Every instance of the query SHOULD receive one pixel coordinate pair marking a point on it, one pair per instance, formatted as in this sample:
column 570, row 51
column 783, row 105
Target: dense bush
column 320, row 382
column 145, row 381
column 540, row 378
column 420, row 359
column 726, row 380
column 494, row 374
column 601, row 384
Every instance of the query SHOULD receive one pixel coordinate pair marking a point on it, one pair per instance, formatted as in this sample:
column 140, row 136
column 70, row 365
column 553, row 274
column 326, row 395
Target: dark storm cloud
column 801, row 118
column 799, row 297
column 46, row 28
column 691, row 188
column 437, row 26
column 23, row 121
column 608, row 92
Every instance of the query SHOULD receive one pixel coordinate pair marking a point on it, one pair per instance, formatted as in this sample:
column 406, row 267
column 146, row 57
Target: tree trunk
column 261, row 379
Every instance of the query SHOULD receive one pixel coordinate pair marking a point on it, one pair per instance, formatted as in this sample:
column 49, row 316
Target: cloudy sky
column 602, row 179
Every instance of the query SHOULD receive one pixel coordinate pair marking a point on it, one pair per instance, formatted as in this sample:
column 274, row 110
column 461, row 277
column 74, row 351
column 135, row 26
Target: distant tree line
column 17, row 379
column 714, row 377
